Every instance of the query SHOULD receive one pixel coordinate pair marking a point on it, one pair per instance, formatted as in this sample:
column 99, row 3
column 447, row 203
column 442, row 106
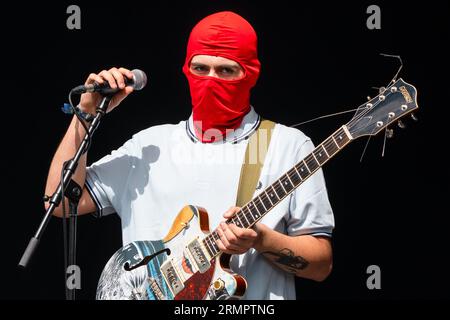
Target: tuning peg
column 389, row 133
column 414, row 117
column 368, row 98
column 401, row 124
column 381, row 90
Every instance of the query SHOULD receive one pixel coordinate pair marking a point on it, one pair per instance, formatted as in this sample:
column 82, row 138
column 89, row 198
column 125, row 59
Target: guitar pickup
column 172, row 278
column 198, row 253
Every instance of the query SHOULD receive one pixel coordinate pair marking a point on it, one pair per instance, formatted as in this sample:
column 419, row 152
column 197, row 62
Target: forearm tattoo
column 287, row 260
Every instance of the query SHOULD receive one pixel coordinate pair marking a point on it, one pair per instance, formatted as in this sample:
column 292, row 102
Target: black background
column 317, row 58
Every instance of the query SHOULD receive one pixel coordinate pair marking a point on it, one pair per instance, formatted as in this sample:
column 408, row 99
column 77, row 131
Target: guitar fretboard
column 254, row 210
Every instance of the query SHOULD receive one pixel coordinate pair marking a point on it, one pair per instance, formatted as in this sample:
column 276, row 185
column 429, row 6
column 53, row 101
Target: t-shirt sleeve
column 310, row 210
column 107, row 178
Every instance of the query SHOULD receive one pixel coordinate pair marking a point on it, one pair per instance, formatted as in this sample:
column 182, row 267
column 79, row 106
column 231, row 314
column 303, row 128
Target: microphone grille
column 139, row 79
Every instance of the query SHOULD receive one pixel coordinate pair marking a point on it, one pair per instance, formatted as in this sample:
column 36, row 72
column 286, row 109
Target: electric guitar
column 187, row 263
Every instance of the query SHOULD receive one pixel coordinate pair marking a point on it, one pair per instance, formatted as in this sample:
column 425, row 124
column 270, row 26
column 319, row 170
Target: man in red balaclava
column 221, row 66
column 198, row 161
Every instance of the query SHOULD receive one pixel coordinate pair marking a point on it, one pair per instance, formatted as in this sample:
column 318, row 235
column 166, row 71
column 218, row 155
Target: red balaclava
column 217, row 103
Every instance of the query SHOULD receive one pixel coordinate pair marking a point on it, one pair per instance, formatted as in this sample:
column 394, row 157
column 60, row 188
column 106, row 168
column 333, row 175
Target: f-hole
column 146, row 260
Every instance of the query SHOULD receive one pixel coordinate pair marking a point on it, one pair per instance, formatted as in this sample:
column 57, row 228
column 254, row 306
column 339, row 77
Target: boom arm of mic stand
column 58, row 196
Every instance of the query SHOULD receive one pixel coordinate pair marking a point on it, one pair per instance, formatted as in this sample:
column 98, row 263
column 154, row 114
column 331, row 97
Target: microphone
column 138, row 82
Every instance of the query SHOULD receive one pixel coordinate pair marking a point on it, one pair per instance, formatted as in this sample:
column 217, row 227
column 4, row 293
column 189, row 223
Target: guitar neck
column 259, row 206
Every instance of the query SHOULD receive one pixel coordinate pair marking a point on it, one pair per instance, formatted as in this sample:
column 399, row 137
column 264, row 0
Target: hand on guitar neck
column 304, row 256
column 235, row 240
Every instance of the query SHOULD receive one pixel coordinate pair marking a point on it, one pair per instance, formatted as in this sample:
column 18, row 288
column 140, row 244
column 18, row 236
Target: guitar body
column 147, row 282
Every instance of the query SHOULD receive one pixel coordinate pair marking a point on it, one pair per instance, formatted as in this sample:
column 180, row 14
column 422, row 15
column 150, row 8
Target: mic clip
column 67, row 109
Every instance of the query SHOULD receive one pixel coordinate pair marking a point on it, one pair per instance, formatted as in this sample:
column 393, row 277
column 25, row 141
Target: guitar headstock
column 393, row 103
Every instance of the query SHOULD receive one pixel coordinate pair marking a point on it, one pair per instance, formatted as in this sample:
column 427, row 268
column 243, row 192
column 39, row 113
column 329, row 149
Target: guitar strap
column 255, row 155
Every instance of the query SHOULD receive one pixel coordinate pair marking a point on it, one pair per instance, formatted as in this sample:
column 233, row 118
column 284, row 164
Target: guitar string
column 325, row 116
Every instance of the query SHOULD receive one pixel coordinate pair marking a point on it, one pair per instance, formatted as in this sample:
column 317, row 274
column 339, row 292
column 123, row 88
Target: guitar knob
column 389, row 133
column 401, row 124
column 218, row 285
column 414, row 117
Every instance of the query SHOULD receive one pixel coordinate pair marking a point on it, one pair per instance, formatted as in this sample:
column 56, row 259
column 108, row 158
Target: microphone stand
column 72, row 191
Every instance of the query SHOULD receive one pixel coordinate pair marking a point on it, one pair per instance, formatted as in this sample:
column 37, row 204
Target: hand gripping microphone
column 138, row 82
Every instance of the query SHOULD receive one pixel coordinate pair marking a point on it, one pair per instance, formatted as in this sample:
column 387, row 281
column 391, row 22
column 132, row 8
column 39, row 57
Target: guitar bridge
column 198, row 253
column 156, row 289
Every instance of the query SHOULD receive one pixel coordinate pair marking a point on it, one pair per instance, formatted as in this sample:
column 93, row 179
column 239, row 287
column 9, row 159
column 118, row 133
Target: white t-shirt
column 163, row 168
